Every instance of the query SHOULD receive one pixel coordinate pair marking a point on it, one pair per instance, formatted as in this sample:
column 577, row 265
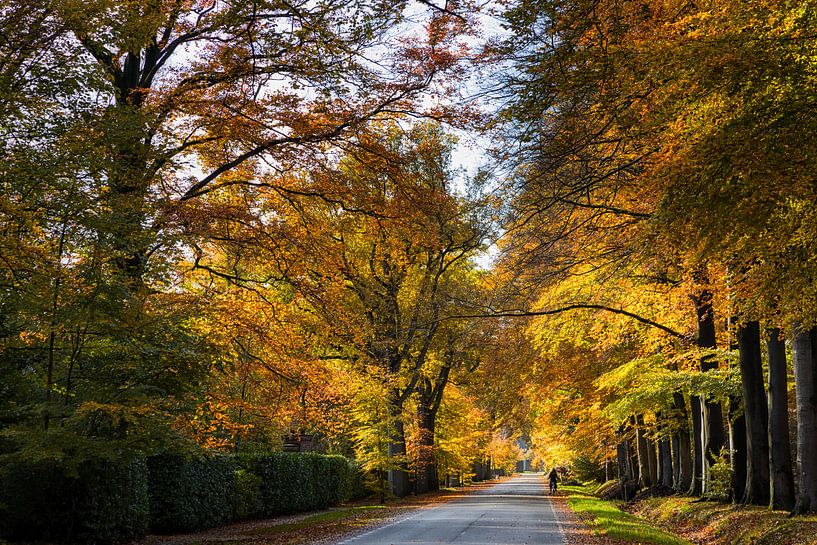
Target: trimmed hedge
column 103, row 503
column 294, row 482
column 190, row 494
column 247, row 500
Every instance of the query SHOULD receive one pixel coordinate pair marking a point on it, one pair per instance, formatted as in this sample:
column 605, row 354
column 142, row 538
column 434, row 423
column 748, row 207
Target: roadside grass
column 606, row 518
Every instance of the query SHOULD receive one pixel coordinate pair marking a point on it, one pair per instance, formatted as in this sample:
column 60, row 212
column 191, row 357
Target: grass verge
column 606, row 518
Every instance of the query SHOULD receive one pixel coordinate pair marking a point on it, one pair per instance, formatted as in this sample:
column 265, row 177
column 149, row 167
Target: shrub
column 190, row 494
column 720, row 485
column 101, row 503
column 586, row 469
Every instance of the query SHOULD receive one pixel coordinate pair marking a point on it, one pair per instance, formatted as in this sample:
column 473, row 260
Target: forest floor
column 713, row 523
column 319, row 527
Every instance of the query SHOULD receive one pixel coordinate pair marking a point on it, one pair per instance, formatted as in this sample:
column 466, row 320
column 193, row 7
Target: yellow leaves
column 30, row 338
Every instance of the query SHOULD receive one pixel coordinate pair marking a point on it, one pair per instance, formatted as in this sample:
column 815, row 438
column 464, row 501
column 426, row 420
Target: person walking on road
column 553, row 477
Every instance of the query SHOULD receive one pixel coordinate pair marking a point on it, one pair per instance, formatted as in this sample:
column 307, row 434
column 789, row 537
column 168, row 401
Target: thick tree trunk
column 756, row 414
column 805, row 381
column 780, row 459
column 737, row 434
column 399, row 476
column 427, row 480
column 429, row 397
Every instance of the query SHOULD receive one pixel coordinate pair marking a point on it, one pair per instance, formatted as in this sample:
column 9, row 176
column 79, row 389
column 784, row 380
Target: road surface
column 513, row 512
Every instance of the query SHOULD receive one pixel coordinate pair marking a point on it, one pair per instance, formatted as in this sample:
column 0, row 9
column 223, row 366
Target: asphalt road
column 513, row 512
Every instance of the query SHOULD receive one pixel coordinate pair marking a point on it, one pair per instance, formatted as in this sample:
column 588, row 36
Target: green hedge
column 103, row 503
column 294, row 482
column 190, row 494
column 100, row 503
column 247, row 500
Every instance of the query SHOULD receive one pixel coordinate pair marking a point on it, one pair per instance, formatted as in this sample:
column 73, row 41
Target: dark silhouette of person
column 553, row 477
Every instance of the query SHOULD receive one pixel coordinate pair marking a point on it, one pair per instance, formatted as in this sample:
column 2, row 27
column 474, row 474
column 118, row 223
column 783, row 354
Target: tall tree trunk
column 756, row 414
column 427, row 480
column 805, row 382
column 737, row 433
column 429, row 397
column 398, row 476
column 681, row 447
column 652, row 459
column 609, row 470
column 665, row 469
column 625, row 465
column 780, row 459
column 642, row 446
column 696, row 483
column 675, row 445
column 712, row 432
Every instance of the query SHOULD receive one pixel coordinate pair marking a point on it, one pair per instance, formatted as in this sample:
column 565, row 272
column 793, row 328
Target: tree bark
column 609, row 470
column 756, row 414
column 642, row 445
column 681, row 447
column 427, row 480
column 737, row 432
column 805, row 381
column 429, row 397
column 780, row 459
column 652, row 459
column 625, row 465
column 665, row 456
column 696, row 483
column 398, row 476
column 712, row 433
